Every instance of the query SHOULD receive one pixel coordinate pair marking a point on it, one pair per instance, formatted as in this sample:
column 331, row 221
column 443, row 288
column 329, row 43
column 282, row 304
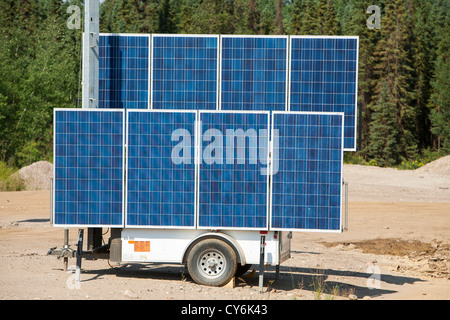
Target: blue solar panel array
column 124, row 71
column 185, row 72
column 323, row 77
column 254, row 73
column 237, row 83
column 161, row 169
column 306, row 187
column 88, row 167
column 233, row 179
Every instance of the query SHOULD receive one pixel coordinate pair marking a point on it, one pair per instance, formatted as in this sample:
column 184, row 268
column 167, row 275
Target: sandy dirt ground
column 397, row 247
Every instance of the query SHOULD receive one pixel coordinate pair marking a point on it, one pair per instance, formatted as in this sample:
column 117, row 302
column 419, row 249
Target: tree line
column 403, row 80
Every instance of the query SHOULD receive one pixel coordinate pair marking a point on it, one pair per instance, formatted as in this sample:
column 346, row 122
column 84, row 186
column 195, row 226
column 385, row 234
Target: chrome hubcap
column 212, row 264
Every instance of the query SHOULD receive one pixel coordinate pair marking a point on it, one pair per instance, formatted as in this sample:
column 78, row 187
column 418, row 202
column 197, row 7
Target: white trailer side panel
column 169, row 246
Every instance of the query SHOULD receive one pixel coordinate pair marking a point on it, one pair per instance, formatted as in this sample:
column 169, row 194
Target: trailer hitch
column 64, row 252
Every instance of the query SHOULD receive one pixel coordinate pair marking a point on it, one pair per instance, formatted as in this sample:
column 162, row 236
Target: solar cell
column 185, row 72
column 233, row 176
column 88, row 167
column 323, row 77
column 306, row 187
column 254, row 73
column 161, row 169
column 124, row 71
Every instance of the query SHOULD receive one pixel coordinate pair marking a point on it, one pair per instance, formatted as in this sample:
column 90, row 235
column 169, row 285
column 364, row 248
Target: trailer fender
column 216, row 235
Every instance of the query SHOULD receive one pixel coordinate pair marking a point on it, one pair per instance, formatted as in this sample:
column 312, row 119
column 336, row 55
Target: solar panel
column 233, row 175
column 235, row 83
column 185, row 72
column 161, row 169
column 323, row 77
column 124, row 71
column 254, row 73
column 307, row 171
column 89, row 167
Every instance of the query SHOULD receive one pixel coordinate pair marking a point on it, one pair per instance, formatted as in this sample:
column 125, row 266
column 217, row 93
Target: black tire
column 212, row 262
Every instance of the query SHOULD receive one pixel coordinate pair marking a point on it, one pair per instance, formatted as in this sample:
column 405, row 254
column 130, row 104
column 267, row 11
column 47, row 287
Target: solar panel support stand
column 91, row 54
column 346, row 206
column 94, row 241
column 66, row 246
column 261, row 262
column 79, row 254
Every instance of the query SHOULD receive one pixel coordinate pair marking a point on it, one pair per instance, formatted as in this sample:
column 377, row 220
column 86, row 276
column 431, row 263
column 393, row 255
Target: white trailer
column 212, row 258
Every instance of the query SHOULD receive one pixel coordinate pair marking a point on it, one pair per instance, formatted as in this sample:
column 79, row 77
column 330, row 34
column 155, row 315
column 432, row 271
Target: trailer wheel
column 212, row 262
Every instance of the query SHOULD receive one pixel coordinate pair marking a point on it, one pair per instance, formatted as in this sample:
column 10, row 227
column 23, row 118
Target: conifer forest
column 403, row 80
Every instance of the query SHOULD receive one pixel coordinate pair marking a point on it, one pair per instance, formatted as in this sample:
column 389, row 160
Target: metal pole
column 51, row 200
column 346, row 205
column 261, row 262
column 360, row 126
column 66, row 245
column 79, row 253
column 91, row 53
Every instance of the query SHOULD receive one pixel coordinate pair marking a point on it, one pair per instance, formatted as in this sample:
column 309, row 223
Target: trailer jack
column 67, row 252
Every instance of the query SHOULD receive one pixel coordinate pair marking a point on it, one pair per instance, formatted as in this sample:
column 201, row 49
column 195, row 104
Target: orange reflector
column 142, row 246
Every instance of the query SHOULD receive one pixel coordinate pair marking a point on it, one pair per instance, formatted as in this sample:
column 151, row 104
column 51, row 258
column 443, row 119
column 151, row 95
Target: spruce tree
column 267, row 9
column 422, row 57
column 254, row 18
column 149, row 14
column 166, row 22
column 279, row 17
column 186, row 16
column 384, row 132
column 326, row 14
column 393, row 68
column 296, row 17
column 331, row 22
column 440, row 98
column 109, row 16
column 50, row 81
column 343, row 14
column 356, row 25
column 310, row 23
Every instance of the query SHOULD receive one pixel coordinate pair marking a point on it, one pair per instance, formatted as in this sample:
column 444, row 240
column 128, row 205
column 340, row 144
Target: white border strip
column 324, row 37
column 124, row 34
column 150, row 73
column 356, row 97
